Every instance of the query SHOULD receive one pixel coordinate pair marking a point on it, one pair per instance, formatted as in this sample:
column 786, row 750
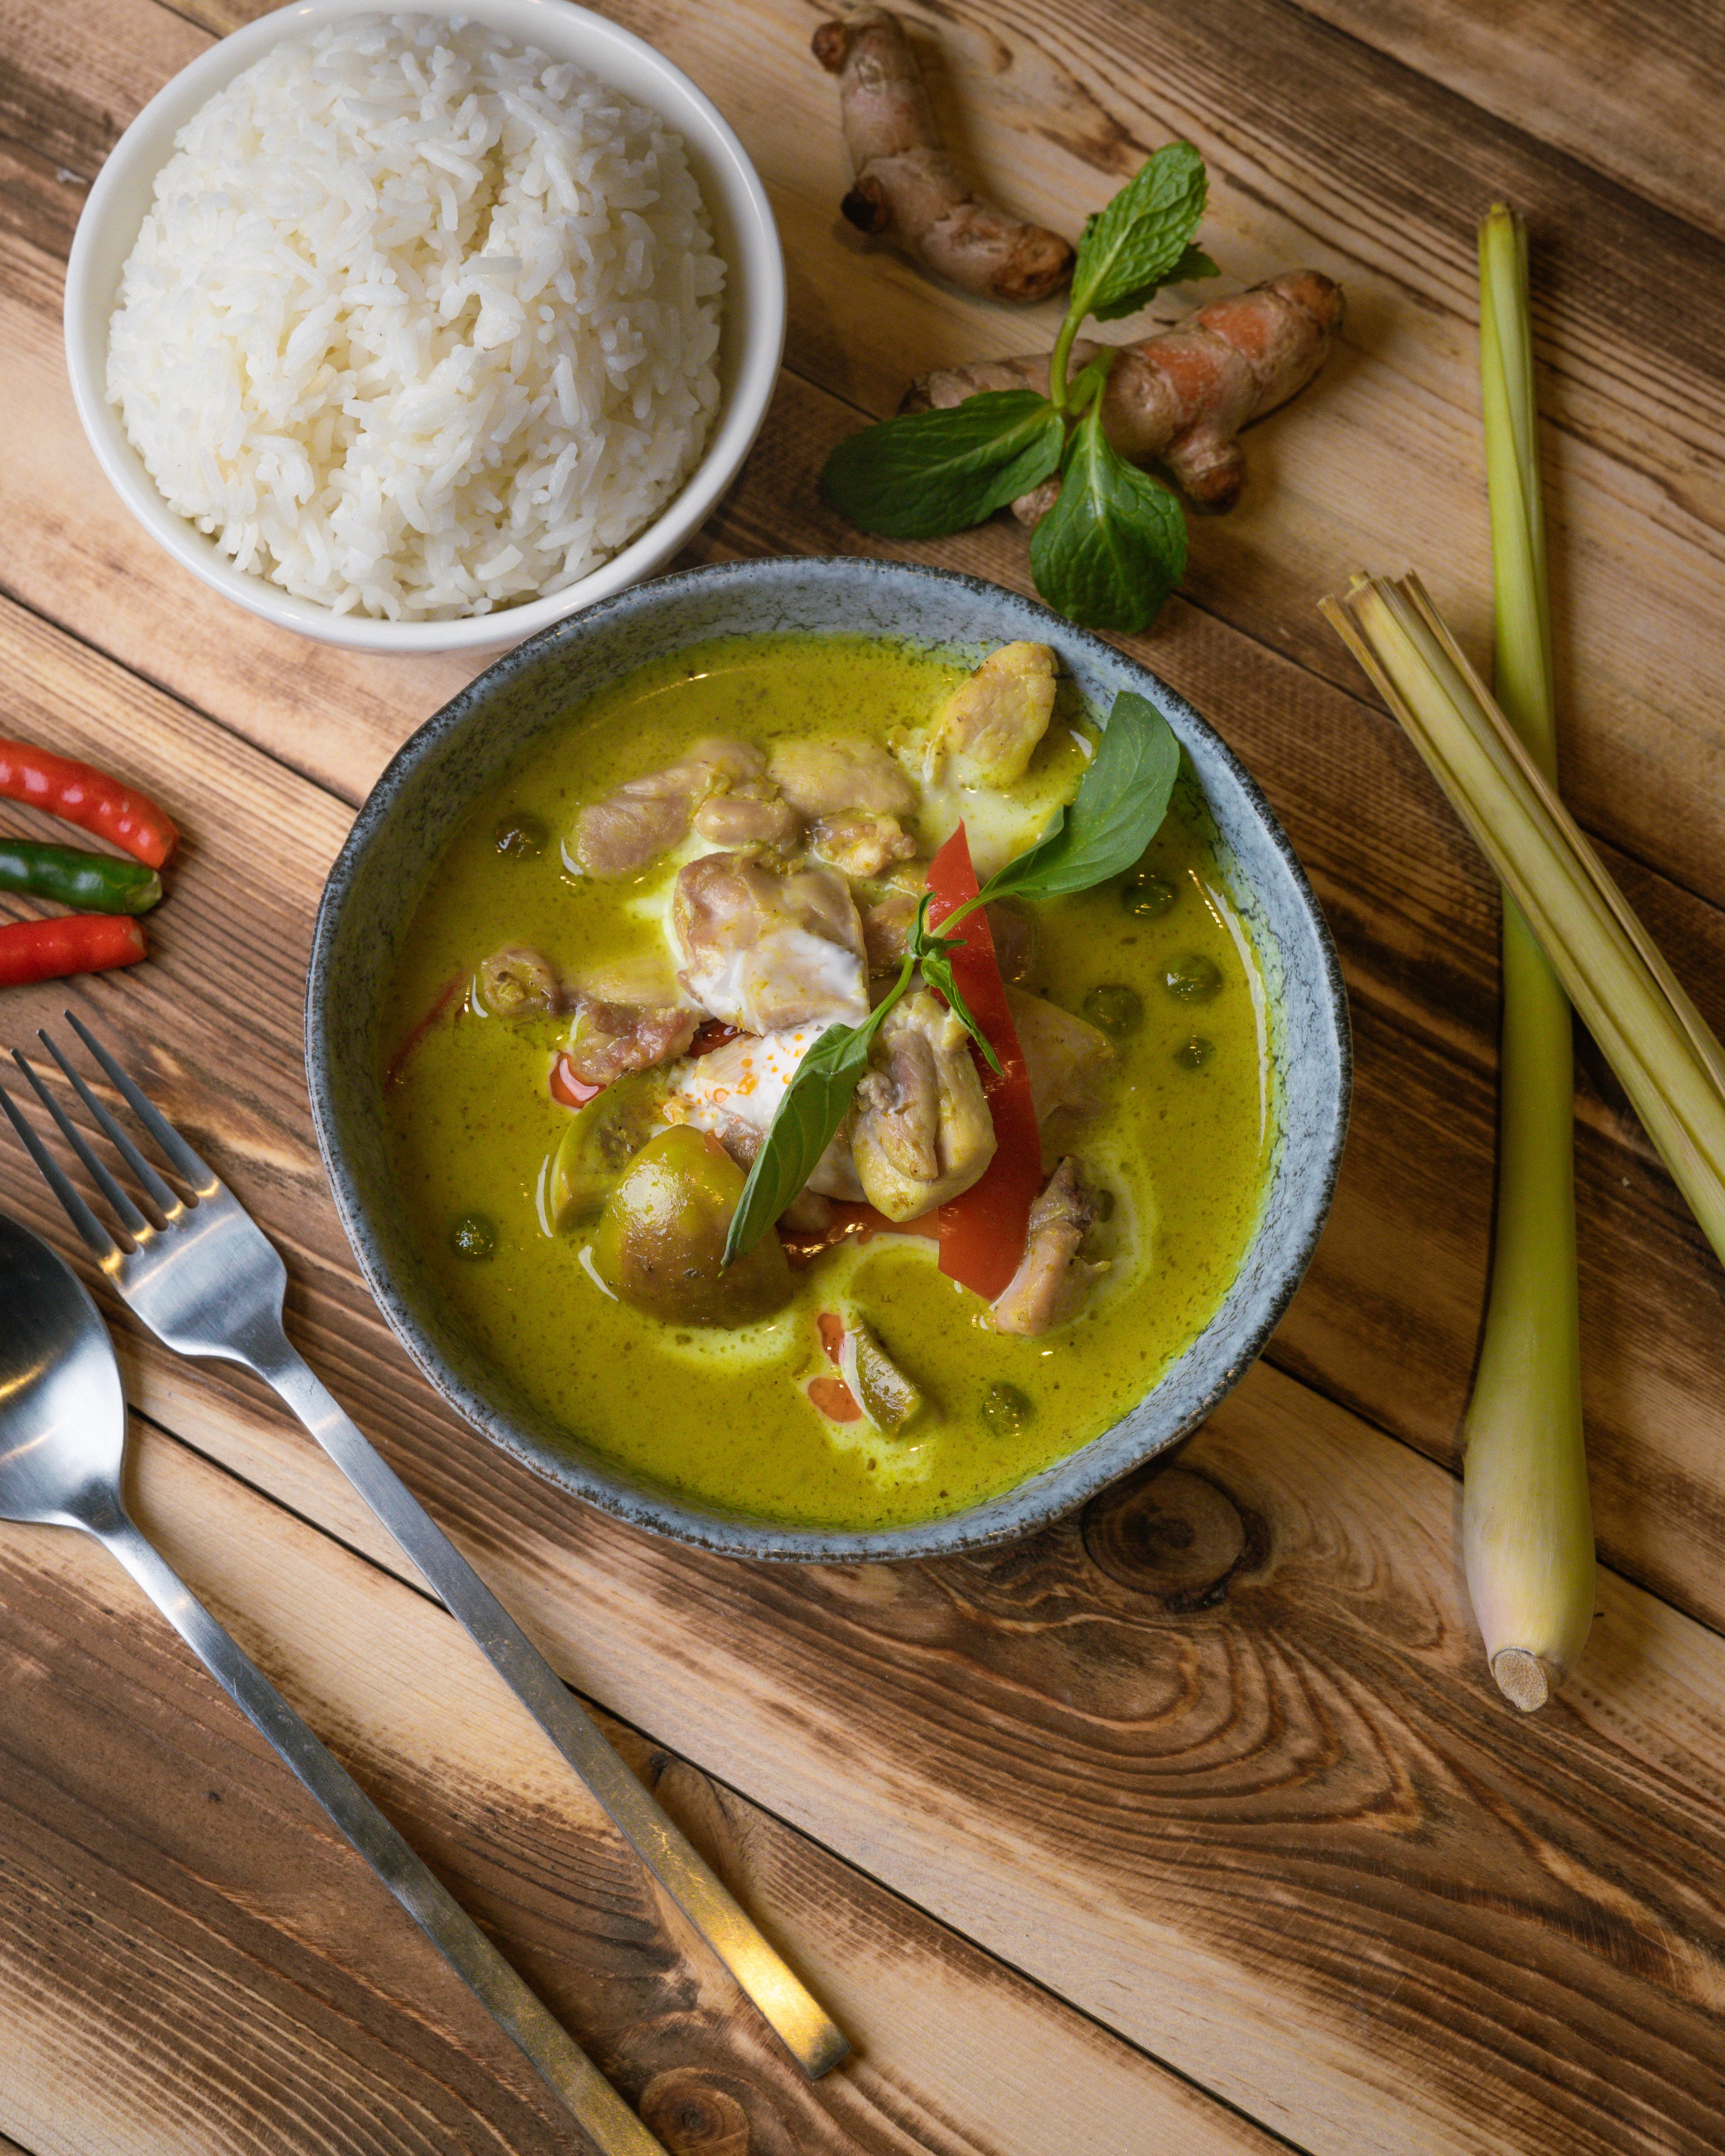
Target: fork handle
column 812, row 2038
column 612, row 2126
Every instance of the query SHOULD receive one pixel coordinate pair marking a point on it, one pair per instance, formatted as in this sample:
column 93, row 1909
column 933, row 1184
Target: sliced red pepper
column 833, row 1397
column 71, row 943
column 983, row 1232
column 78, row 793
column 403, row 1056
column 713, row 1033
column 573, row 1091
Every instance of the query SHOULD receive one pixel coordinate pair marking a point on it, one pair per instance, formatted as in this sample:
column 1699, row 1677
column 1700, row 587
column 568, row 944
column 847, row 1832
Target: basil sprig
column 1117, row 812
column 1114, row 545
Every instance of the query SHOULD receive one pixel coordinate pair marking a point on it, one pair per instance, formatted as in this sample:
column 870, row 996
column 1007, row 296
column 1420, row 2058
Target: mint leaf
column 1113, row 546
column 1117, row 811
column 1132, row 249
column 934, row 472
column 1192, row 264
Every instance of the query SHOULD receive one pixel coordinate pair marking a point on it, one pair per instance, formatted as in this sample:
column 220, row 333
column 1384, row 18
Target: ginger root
column 907, row 187
column 1180, row 397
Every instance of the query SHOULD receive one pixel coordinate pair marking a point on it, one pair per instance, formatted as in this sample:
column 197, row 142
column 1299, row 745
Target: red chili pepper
column 70, row 944
column 574, row 1092
column 983, row 1232
column 78, row 793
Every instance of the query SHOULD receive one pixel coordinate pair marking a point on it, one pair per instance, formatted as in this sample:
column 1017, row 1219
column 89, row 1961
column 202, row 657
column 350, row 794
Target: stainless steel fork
column 207, row 1282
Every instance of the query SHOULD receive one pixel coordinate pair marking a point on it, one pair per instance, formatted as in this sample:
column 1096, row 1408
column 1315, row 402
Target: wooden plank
column 1396, row 1292
column 175, row 1908
column 1591, row 81
column 1414, row 912
column 1274, row 1828
column 1323, row 151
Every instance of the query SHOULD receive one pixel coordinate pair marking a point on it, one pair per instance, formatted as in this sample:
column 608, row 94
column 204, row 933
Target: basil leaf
column 1113, row 546
column 1130, row 249
column 1117, row 812
column 938, row 972
column 934, row 472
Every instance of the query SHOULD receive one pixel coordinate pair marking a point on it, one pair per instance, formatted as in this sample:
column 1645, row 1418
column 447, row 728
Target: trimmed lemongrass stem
column 1526, row 1525
column 1666, row 1058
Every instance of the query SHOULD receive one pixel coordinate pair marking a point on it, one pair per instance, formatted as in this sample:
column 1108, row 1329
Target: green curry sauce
column 721, row 1417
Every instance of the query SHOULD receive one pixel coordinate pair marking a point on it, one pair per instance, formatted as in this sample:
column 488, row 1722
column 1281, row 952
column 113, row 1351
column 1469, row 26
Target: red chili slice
column 832, row 1396
column 404, row 1055
column 573, row 1091
column 983, row 1232
column 712, row 1033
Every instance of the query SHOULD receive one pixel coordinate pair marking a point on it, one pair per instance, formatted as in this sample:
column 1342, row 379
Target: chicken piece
column 647, row 816
column 735, row 1091
column 1065, row 1057
column 854, row 775
column 752, row 814
column 608, row 1039
column 629, row 1015
column 886, row 927
column 765, row 952
column 861, row 846
column 1053, row 1282
column 517, row 981
column 923, row 1132
column 987, row 730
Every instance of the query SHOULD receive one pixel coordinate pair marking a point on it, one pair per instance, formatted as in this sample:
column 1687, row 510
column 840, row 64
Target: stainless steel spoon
column 62, row 1457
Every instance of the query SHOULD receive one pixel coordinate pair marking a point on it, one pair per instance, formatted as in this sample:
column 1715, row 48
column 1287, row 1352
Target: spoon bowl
column 62, row 1405
column 61, row 1458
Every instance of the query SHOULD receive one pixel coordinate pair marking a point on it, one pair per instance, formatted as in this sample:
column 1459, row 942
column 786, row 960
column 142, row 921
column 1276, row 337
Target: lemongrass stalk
column 1668, row 1062
column 1526, row 1525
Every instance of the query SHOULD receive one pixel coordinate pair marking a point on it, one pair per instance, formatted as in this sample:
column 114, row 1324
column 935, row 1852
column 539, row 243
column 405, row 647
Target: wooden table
column 1192, row 1825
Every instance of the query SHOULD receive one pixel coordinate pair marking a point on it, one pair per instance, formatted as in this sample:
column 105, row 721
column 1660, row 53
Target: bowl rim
column 756, row 329
column 1041, row 1499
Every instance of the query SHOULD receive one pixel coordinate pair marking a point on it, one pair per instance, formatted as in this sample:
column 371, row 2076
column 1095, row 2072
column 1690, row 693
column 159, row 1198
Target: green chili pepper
column 93, row 883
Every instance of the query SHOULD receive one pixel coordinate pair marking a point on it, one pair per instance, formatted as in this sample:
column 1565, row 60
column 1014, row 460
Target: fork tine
column 194, row 1170
column 101, row 1243
column 130, row 1219
column 166, row 1200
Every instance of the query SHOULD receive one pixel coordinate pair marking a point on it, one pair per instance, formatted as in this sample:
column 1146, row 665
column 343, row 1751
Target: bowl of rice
column 417, row 332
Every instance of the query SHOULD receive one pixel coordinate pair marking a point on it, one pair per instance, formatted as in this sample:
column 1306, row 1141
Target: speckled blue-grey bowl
column 415, row 808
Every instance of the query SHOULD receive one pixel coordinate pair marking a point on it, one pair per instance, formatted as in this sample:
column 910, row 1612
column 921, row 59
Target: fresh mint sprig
column 1117, row 810
column 1108, row 556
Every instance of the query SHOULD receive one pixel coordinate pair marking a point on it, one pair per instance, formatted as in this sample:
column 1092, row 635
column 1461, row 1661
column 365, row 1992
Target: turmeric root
column 1181, row 398
column 907, row 187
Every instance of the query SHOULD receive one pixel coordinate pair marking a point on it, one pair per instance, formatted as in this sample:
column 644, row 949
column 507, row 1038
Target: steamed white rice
column 421, row 322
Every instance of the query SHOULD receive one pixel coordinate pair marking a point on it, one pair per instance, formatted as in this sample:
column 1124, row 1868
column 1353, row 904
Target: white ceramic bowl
column 751, row 341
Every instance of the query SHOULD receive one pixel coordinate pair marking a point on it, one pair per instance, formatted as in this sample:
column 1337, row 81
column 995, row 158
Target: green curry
column 739, row 1415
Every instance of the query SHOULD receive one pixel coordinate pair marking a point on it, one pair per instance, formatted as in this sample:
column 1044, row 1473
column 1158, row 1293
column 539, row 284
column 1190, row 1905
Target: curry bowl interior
column 367, row 911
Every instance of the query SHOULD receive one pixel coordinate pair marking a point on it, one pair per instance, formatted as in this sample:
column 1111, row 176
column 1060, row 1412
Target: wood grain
column 1253, row 1808
column 1413, row 908
column 225, row 1892
column 1324, row 151
column 1598, row 83
column 1215, row 1763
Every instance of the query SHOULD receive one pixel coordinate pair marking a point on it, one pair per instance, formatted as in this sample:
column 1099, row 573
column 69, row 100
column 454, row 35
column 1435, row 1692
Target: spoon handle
column 812, row 2038
column 613, row 2127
